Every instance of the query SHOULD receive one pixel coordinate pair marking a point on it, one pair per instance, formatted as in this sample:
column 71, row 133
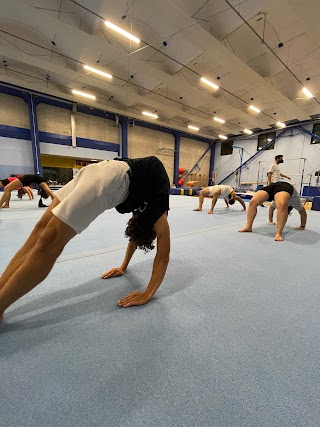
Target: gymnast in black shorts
column 281, row 193
column 24, row 181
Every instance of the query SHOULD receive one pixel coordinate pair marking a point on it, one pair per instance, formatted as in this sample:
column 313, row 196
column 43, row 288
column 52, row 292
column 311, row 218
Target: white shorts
column 96, row 188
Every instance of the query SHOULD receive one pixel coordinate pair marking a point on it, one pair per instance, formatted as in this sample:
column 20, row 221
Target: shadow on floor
column 96, row 296
column 305, row 237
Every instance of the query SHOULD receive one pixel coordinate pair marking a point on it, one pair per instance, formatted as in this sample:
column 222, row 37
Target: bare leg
column 6, row 204
column 260, row 197
column 23, row 253
column 37, row 264
column 5, row 199
column 281, row 200
column 271, row 210
column 201, row 199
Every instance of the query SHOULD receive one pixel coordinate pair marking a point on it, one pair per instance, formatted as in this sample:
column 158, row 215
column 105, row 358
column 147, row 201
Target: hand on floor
column 135, row 298
column 114, row 272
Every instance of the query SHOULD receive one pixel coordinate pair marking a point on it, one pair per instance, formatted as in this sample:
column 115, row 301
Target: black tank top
column 148, row 191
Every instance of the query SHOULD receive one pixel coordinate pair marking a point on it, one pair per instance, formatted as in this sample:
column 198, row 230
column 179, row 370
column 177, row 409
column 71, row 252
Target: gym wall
column 97, row 128
column 190, row 152
column 293, row 145
column 54, row 119
column 15, row 154
column 144, row 142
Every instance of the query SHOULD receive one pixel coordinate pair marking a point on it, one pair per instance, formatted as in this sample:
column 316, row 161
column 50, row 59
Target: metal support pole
column 34, row 134
column 124, row 125
column 315, row 136
column 176, row 161
column 304, row 162
column 73, row 126
column 211, row 166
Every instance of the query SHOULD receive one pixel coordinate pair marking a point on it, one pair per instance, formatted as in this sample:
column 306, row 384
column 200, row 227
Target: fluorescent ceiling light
column 255, row 109
column 269, row 139
column 209, row 83
column 193, row 127
column 307, row 92
column 281, row 125
column 121, row 31
column 216, row 119
column 85, row 95
column 248, row 131
column 153, row 116
column 94, row 70
column 223, row 137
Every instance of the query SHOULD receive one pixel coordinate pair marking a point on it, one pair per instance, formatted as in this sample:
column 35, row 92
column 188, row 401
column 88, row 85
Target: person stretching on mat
column 219, row 192
column 140, row 186
column 281, row 193
column 24, row 181
column 294, row 203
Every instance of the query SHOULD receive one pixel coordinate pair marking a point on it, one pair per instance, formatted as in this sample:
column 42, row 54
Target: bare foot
column 5, row 206
column 227, row 207
column 210, row 212
column 243, row 210
column 197, row 210
column 246, row 230
column 272, row 223
column 299, row 228
column 278, row 238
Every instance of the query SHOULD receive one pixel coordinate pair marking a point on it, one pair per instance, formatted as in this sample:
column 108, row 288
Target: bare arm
column 159, row 269
column 216, row 194
column 226, row 202
column 271, row 210
column 303, row 219
column 119, row 271
column 269, row 177
column 240, row 201
column 285, row 176
column 29, row 192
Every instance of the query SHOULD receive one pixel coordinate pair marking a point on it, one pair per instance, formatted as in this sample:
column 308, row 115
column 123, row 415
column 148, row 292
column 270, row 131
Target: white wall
column 15, row 157
column 292, row 145
column 80, row 152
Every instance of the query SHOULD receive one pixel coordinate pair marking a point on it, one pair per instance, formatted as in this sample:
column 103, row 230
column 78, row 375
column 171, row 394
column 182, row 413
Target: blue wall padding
column 310, row 191
column 245, row 196
column 316, row 204
column 185, row 191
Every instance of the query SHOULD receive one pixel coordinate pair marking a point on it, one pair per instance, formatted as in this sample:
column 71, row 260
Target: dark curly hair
column 231, row 202
column 140, row 234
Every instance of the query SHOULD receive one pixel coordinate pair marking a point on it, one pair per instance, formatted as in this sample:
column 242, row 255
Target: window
column 226, row 148
column 316, row 130
column 264, row 139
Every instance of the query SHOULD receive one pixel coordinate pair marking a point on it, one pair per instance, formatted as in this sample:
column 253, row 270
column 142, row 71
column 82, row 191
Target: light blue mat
column 232, row 338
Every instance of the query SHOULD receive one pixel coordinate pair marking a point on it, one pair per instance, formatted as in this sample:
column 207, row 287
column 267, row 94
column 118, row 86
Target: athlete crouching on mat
column 294, row 203
column 140, row 186
column 23, row 181
column 281, row 193
column 219, row 192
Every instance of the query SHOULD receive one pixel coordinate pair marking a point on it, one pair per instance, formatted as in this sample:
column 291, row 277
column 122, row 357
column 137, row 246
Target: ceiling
column 260, row 52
